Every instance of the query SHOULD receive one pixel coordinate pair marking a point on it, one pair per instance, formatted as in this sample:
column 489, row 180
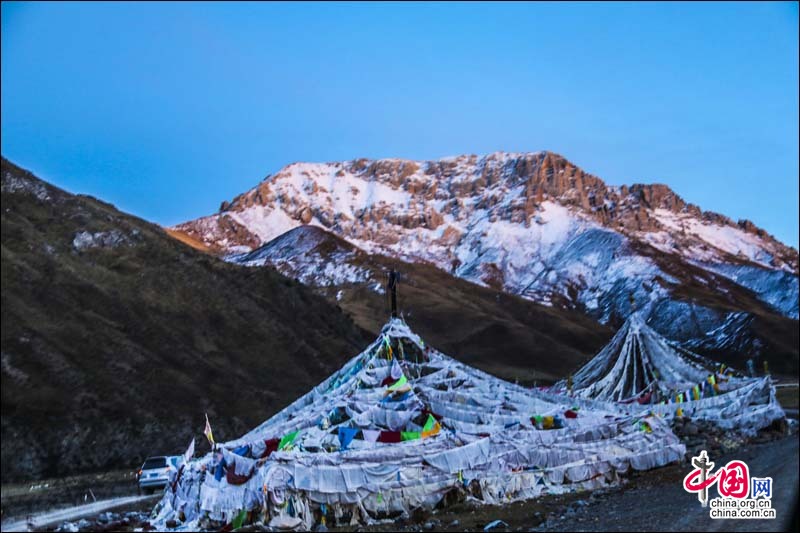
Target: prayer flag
column 434, row 431
column 389, row 436
column 287, row 440
column 371, row 435
column 239, row 520
column 396, row 371
column 346, row 436
column 187, row 456
column 409, row 435
column 207, row 432
column 429, row 423
column 399, row 383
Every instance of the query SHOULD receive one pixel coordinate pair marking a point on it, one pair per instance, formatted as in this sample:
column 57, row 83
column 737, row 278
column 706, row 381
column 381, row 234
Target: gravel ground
column 659, row 503
column 21, row 499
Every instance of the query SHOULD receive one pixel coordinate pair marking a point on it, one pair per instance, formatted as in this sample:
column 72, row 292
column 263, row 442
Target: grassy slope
column 113, row 353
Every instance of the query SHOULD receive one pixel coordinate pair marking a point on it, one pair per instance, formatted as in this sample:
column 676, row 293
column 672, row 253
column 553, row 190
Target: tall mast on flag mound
column 391, row 290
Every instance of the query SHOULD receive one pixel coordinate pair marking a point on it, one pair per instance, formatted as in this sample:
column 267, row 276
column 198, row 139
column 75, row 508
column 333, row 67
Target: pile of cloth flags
column 642, row 371
column 400, row 426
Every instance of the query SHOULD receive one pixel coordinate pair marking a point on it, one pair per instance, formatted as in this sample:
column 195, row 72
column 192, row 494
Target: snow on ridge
column 265, row 222
column 728, row 239
column 497, row 155
column 346, row 191
column 487, row 231
column 538, row 259
column 294, row 254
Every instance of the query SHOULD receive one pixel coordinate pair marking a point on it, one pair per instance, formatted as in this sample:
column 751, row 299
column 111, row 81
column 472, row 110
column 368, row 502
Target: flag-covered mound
column 639, row 367
column 403, row 426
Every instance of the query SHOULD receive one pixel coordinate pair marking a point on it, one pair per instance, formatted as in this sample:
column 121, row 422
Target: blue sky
column 165, row 110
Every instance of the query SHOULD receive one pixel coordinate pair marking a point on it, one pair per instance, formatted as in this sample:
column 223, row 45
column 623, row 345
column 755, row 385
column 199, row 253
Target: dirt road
column 72, row 513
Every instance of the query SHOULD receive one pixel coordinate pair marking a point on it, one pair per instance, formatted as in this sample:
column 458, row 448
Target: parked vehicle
column 155, row 472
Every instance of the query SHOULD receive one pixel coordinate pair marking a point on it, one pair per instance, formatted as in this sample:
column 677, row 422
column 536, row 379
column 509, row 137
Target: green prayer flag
column 287, row 439
column 399, row 383
column 409, row 435
column 429, row 424
column 239, row 520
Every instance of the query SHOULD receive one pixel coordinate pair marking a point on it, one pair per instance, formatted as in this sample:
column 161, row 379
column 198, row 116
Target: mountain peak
column 503, row 185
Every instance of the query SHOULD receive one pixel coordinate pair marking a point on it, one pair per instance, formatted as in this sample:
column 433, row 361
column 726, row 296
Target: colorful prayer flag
column 434, row 431
column 389, row 436
column 399, row 383
column 207, row 432
column 239, row 520
column 431, row 427
column 287, row 440
column 346, row 436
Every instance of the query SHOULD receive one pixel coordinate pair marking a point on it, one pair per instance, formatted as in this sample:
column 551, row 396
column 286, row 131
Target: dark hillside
column 116, row 338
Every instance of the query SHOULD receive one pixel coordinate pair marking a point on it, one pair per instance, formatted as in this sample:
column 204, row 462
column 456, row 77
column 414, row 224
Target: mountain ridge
column 536, row 226
column 553, row 175
column 530, row 224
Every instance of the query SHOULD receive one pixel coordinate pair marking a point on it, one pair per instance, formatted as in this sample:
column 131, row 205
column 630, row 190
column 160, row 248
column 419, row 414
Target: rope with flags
column 704, row 389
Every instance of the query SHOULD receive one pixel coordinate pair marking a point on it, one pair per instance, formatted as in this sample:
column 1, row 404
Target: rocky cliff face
column 530, row 224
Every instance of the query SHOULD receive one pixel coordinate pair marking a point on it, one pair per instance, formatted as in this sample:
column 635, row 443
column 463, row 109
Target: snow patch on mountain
column 733, row 335
column 296, row 254
column 266, row 223
column 776, row 287
column 713, row 237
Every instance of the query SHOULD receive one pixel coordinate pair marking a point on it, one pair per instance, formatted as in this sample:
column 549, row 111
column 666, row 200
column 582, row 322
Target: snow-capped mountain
column 531, row 224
